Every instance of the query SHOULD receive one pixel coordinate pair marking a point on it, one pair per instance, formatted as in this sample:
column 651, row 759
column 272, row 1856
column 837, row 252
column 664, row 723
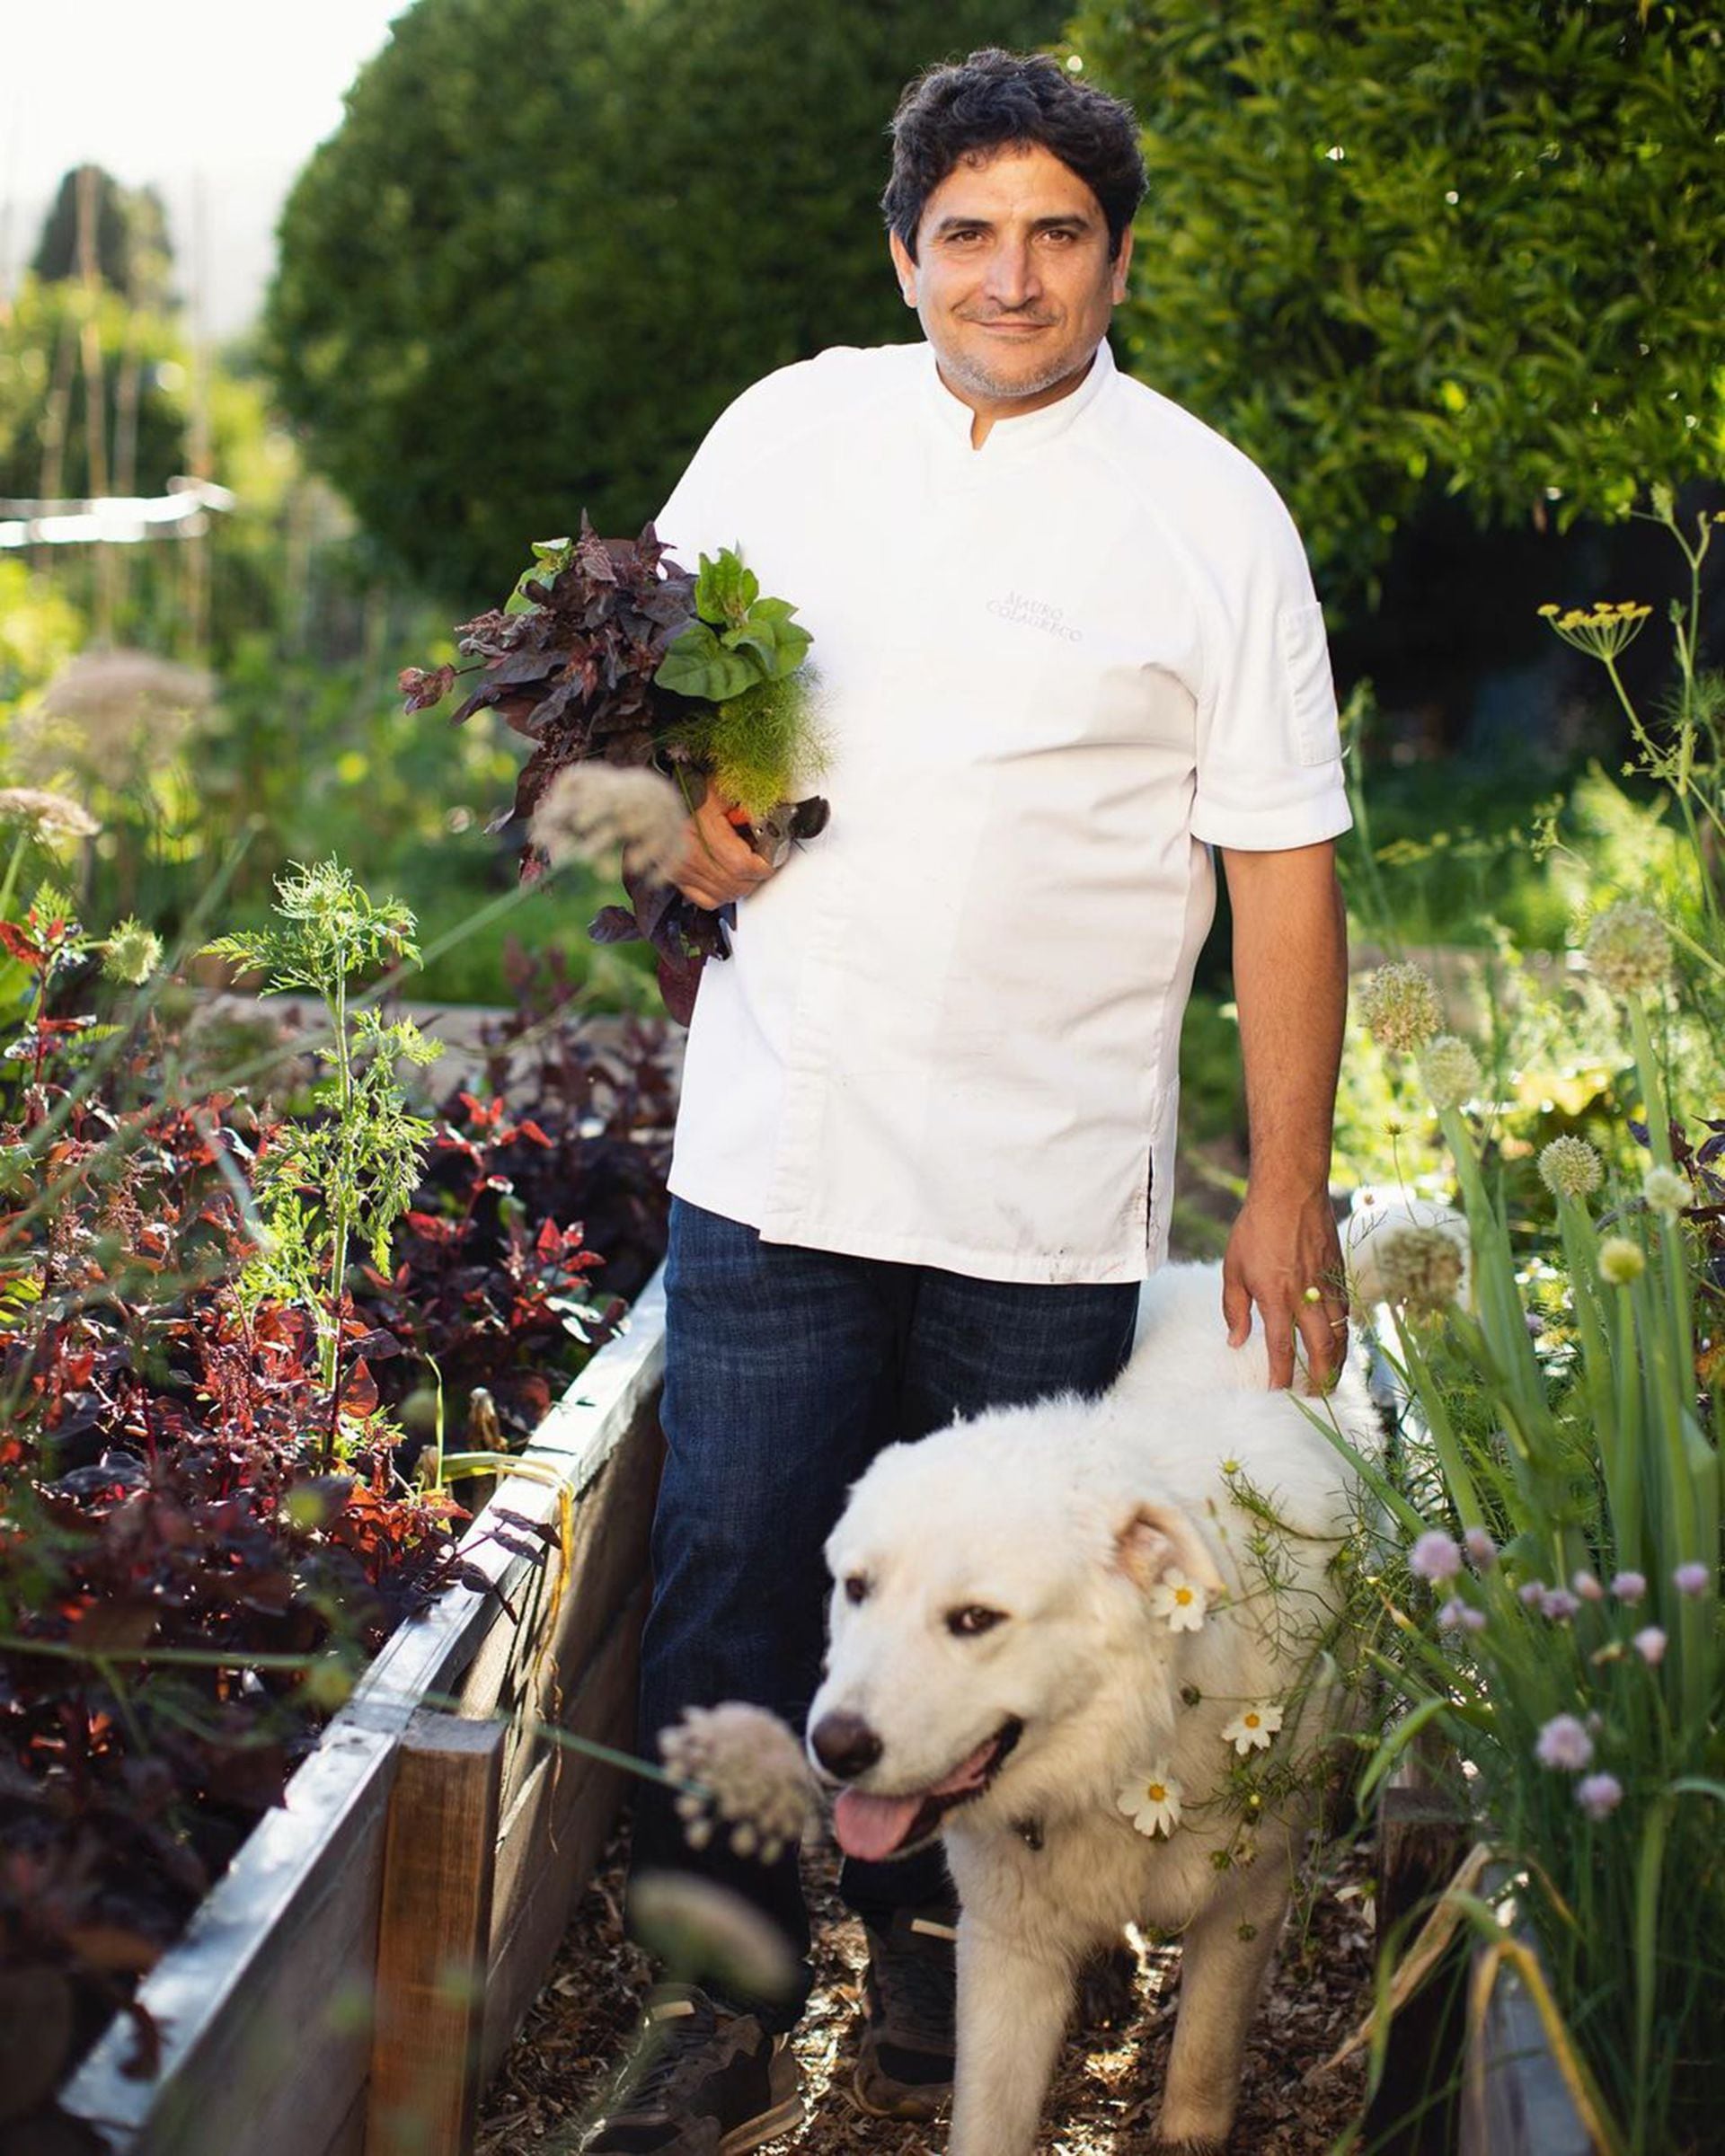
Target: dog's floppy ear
column 1156, row 1539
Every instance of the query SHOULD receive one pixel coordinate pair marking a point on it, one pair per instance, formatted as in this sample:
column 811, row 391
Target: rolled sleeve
column 1270, row 772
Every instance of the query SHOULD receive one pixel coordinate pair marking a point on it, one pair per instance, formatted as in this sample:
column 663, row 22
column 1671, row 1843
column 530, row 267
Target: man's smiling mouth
column 875, row 1827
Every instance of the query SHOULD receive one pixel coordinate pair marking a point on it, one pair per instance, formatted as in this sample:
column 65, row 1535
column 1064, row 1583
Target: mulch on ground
column 1103, row 2102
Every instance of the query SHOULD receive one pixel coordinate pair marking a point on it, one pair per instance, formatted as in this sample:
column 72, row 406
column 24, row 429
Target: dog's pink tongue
column 872, row 1827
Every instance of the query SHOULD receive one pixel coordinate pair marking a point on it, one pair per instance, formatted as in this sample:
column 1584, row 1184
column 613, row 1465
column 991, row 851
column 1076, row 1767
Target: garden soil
column 1104, row 2098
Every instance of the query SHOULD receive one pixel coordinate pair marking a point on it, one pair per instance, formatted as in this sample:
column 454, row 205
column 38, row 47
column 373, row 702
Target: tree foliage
column 129, row 230
column 1391, row 245
column 547, row 245
column 44, row 409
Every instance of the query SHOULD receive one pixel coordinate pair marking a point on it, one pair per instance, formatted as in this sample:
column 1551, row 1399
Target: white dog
column 1056, row 1641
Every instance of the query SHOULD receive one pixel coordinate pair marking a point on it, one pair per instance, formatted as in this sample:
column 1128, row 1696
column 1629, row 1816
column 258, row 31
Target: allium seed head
column 1420, row 1267
column 592, row 811
column 1621, row 1260
column 1599, row 1795
column 696, row 1926
column 1667, row 1191
column 53, row 815
column 1435, row 1556
column 1451, row 1070
column 1570, row 1168
column 132, row 954
column 1629, row 948
column 751, row 1768
column 1399, row 1005
column 1564, row 1743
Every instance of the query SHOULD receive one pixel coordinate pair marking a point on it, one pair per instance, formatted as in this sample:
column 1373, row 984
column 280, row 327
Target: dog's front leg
column 1223, row 1954
column 1012, row 2014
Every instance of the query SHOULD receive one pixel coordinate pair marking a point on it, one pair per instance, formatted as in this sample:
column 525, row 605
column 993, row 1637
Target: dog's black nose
column 845, row 1745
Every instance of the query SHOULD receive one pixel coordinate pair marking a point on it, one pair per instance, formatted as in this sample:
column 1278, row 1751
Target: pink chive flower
column 1629, row 1587
column 1533, row 1592
column 1598, row 1795
column 1587, row 1586
column 1650, row 1645
column 1558, row 1604
column 1564, row 1743
column 1459, row 1616
column 1691, row 1579
column 1481, row 1547
column 1436, row 1556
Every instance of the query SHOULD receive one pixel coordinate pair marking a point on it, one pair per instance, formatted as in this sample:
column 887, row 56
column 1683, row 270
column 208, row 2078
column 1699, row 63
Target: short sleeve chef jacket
column 1054, row 671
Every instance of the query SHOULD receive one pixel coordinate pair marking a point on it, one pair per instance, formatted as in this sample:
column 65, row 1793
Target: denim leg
column 779, row 1383
column 974, row 1345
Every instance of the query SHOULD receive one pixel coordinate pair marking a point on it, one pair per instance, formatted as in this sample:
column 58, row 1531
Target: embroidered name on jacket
column 1036, row 614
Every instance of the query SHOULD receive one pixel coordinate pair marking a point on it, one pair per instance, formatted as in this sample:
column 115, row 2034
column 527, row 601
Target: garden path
column 1103, row 2102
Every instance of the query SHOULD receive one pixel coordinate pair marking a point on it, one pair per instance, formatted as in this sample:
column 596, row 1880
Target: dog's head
column 990, row 1594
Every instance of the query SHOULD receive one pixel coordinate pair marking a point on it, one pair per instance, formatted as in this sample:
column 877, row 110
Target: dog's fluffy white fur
column 1057, row 1521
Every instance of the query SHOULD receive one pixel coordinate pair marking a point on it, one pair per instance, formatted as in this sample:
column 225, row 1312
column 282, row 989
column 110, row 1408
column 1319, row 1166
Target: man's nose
column 845, row 1745
column 1011, row 280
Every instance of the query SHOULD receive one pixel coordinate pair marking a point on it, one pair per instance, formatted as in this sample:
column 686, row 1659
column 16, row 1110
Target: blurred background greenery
column 1452, row 272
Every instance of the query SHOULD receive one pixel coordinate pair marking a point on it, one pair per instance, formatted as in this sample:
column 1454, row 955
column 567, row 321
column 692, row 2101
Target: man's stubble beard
column 970, row 374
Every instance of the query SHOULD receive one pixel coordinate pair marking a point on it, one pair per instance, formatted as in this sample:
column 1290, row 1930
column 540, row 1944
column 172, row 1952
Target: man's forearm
column 1290, row 981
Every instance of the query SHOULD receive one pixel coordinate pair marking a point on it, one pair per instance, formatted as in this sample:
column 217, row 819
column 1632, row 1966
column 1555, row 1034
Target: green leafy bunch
column 743, row 655
column 737, row 639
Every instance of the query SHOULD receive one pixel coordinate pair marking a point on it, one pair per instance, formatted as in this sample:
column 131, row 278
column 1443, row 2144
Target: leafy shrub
column 1392, row 246
column 201, row 1536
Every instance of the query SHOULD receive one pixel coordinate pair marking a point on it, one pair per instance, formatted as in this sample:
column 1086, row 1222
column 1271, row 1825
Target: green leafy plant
column 607, row 654
column 1396, row 249
column 324, row 1184
column 1557, row 1615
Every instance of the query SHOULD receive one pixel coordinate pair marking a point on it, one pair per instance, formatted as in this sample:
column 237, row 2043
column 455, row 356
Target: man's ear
column 904, row 268
column 1121, row 264
column 1152, row 1540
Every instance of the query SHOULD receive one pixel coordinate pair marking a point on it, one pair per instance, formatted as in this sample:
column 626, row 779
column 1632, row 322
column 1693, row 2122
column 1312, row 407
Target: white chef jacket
column 1053, row 671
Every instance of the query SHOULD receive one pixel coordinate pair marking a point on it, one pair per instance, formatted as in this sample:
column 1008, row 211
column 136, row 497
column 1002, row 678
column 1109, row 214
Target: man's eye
column 857, row 1587
column 967, row 1622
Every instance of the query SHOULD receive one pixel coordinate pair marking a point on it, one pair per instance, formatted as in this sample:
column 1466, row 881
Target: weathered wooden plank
column 1420, row 1840
column 275, row 1970
column 277, row 1966
column 553, row 1835
column 433, row 1937
column 1515, row 2101
column 522, row 1671
column 351, row 2135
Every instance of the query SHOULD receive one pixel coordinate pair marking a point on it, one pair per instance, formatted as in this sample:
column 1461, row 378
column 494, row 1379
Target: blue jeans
column 786, row 1371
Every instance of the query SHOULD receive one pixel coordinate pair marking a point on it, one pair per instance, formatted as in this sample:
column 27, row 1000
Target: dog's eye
column 857, row 1587
column 966, row 1623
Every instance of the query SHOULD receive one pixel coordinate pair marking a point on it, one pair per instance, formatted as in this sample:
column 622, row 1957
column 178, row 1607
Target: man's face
column 1013, row 281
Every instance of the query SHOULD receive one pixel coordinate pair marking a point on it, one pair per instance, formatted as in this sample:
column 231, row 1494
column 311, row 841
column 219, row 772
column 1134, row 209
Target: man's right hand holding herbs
column 717, row 864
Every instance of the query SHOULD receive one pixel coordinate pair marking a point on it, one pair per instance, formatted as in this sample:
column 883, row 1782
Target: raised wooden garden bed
column 365, row 1959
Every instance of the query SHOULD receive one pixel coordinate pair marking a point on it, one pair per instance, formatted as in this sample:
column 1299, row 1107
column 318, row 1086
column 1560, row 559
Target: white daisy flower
column 1181, row 1600
column 1253, row 1728
column 1152, row 1802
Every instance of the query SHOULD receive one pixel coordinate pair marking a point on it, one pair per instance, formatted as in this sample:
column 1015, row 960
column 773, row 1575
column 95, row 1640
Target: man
column 1068, row 645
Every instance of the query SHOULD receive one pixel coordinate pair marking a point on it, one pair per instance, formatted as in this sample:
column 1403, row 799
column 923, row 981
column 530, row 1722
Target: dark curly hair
column 965, row 111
